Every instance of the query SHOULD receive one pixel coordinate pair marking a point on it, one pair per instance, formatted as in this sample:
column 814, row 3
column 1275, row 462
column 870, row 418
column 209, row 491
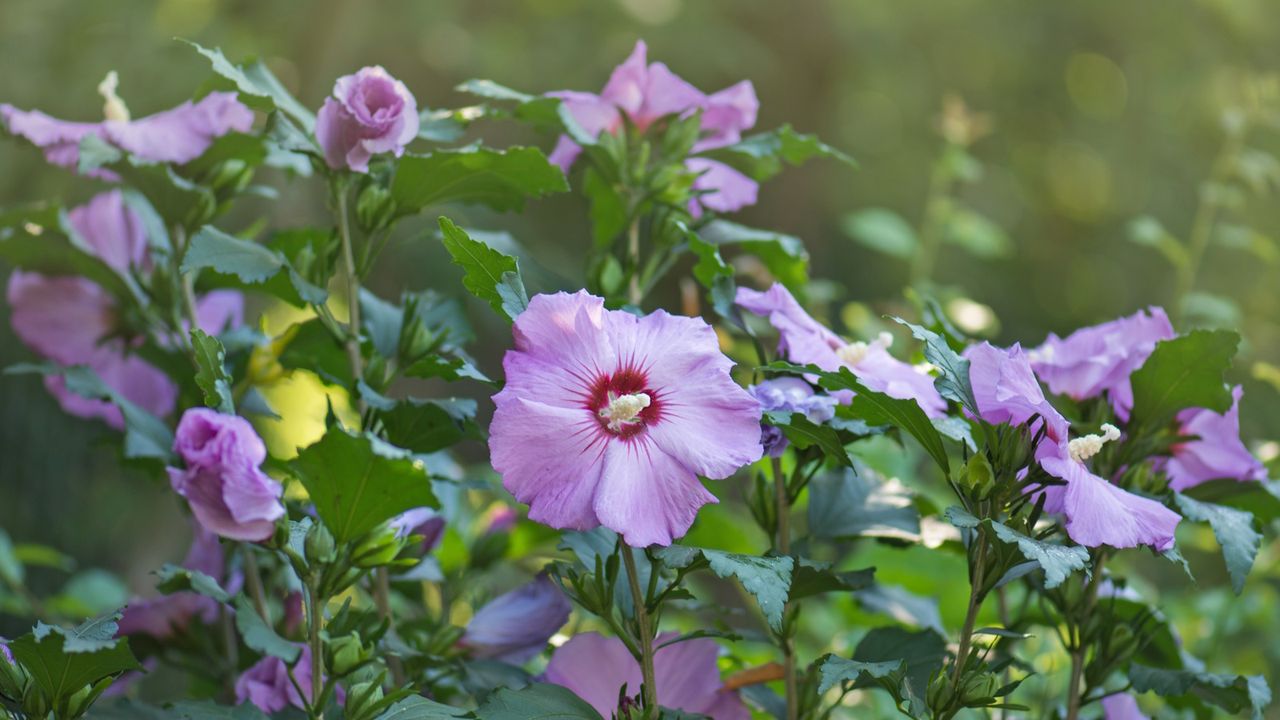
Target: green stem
column 314, row 621
column 1206, row 214
column 253, row 579
column 977, row 580
column 922, row 262
column 352, row 280
column 645, row 633
column 1078, row 648
column 784, row 548
column 634, row 292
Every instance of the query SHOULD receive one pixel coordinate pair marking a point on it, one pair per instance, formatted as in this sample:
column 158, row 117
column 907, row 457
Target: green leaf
column 145, row 435
column 178, row 200
column 211, row 371
column 126, row 709
column 710, row 265
column 446, row 368
column 837, row 670
column 62, row 661
column 360, row 481
column 814, row 578
column 883, row 231
column 768, row 579
column 784, row 255
column 1236, row 531
column 174, row 578
column 763, row 155
column 975, row 233
column 420, row 708
column 953, row 383
column 897, row 660
column 1057, row 561
column 879, row 409
column 251, row 264
column 903, row 606
column 1260, row 498
column 90, row 592
column 1146, row 230
column 260, row 636
column 257, row 86
column 538, row 701
column 489, row 274
column 310, row 346
column 1184, row 372
column 499, row 179
column 608, row 208
column 1233, row 693
column 12, row 571
column 804, row 433
column 847, row 505
column 424, row 425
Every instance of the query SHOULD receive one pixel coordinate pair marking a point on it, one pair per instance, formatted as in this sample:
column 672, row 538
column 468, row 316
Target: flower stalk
column 644, row 632
column 783, row 503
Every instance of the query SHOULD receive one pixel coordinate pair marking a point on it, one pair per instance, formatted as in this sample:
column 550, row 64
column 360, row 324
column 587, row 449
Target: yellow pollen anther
column 624, row 409
column 856, row 352
column 1086, row 446
column 113, row 108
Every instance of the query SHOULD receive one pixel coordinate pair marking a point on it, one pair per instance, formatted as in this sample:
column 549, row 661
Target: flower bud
column 363, row 700
column 375, row 208
column 319, row 545
column 978, row 475
column 379, row 547
column 345, row 654
column 980, row 689
column 78, row 703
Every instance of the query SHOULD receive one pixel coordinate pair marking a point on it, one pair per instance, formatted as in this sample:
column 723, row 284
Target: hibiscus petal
column 1100, row 513
column 111, row 229
column 727, row 113
column 62, row 318
column 724, row 189
column 220, row 310
column 183, row 133
column 595, row 668
column 1217, row 452
column 666, row 94
column 629, row 81
column 686, row 673
column 516, row 626
column 646, row 495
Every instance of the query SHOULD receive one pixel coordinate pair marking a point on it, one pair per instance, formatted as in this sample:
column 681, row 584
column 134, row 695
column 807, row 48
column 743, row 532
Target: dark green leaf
column 499, row 179
column 903, row 606
column 420, row 708
column 846, row 504
column 1260, row 498
column 953, row 383
column 538, row 701
column 260, row 636
column 424, row 425
column 785, row 256
column 608, row 208
column 258, row 87
column 41, row 239
column 836, row 670
column 710, row 265
column 1233, row 693
column 761, row 156
column 490, row 275
column 1057, row 561
column 768, row 579
column 1184, row 372
column 211, row 371
column 1236, row 531
column 804, row 433
column 178, row 200
column 63, row 661
column 360, row 481
column 251, row 264
column 445, row 368
column 813, row 578
column 179, row 579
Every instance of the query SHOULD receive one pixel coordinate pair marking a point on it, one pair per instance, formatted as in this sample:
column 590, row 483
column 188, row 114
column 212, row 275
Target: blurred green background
column 1100, row 112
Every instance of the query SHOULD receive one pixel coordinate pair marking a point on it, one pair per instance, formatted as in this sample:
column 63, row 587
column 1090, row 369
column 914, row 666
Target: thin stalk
column 314, row 621
column 784, row 548
column 1078, row 648
column 930, row 226
column 352, row 281
column 645, row 632
column 1206, row 215
column 634, row 291
column 971, row 615
column 253, row 579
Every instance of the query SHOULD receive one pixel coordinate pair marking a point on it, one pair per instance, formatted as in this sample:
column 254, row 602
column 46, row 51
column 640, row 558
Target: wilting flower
column 790, row 395
column 608, row 418
column 1097, row 512
column 267, row 684
column 74, row 321
column 1216, row 453
column 804, row 340
column 1098, row 359
column 163, row 616
column 422, row 521
column 1122, row 706
column 228, row 493
column 516, row 626
column 599, row 669
column 370, row 113
column 177, row 135
column 643, row 93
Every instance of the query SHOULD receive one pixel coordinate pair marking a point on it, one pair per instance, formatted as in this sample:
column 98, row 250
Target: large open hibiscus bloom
column 609, row 419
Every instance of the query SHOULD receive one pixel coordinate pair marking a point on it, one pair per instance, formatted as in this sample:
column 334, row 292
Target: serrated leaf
column 763, row 155
column 1184, row 372
column 360, row 481
column 499, row 179
column 252, row 264
column 489, row 274
column 785, row 256
column 768, row 579
column 211, row 371
column 445, row 368
column 62, row 661
column 953, row 383
column 257, row 86
column 424, row 425
column 1236, row 531
column 260, row 636
column 883, row 231
column 897, row 660
column 804, row 433
column 1057, row 561
column 814, row 578
column 835, row 670
column 1233, row 693
column 174, row 578
column 537, row 701
column 846, row 505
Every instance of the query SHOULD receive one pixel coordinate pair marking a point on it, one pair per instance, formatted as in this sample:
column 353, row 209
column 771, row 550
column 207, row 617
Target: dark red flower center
column 623, row 402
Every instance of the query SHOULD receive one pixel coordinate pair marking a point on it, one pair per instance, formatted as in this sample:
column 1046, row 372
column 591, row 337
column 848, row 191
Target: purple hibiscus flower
column 643, row 93
column 609, row 419
column 1122, row 706
column 792, row 395
column 74, row 321
column 227, row 491
column 177, row 135
column 516, row 626
column 266, row 684
column 422, row 521
column 598, row 668
column 1216, row 452
column 1098, row 359
column 1097, row 512
column 370, row 113
column 801, row 339
column 164, row 616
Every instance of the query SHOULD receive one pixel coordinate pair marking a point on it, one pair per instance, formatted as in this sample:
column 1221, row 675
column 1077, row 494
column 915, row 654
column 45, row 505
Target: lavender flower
column 609, row 419
column 1099, row 359
column 1122, row 706
column 370, row 113
column 791, row 395
column 222, row 482
column 643, row 93
column 266, row 684
column 516, row 626
column 421, row 521
column 804, row 340
column 597, row 668
column 1097, row 512
column 177, row 135
column 1217, row 451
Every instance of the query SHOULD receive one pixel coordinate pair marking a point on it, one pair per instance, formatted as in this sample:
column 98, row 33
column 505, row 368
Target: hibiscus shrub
column 376, row 572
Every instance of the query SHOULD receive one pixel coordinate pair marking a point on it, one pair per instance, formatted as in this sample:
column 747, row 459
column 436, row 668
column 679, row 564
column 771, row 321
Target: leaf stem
column 314, row 621
column 352, row 280
column 1078, row 648
column 634, row 292
column 976, row 581
column 782, row 500
column 253, row 579
column 645, row 632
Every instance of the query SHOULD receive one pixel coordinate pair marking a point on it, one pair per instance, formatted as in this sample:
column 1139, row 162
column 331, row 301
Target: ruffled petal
column 727, row 113
column 724, row 189
column 666, row 94
column 646, row 495
column 564, row 153
column 595, row 668
column 686, row 673
column 1100, row 513
column 112, row 230
column 183, row 133
column 60, row 139
column 1122, row 706
column 882, row 372
column 220, row 310
column 565, row 329
column 629, row 81
column 801, row 338
column 516, row 626
column 1217, row 452
column 593, row 113
column 62, row 318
